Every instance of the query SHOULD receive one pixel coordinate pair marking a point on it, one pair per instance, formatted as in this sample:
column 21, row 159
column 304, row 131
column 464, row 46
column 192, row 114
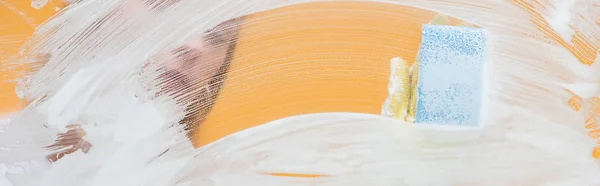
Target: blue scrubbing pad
column 450, row 75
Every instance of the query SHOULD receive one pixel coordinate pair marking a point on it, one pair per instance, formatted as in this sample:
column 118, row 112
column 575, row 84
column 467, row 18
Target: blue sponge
column 450, row 75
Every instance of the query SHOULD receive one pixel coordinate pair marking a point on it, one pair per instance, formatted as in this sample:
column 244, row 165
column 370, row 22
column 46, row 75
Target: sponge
column 450, row 75
column 397, row 103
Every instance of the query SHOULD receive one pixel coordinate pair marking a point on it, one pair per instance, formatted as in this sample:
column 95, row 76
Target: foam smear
column 38, row 4
column 358, row 149
column 95, row 77
column 560, row 19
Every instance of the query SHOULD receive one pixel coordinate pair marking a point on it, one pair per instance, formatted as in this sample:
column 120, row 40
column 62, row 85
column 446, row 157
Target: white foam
column 38, row 4
column 560, row 19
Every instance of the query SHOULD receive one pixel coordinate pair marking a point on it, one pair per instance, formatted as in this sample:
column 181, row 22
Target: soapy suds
column 530, row 136
column 560, row 19
column 37, row 4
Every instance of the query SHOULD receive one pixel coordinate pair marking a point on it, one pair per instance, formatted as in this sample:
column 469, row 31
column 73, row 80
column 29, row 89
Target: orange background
column 310, row 58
